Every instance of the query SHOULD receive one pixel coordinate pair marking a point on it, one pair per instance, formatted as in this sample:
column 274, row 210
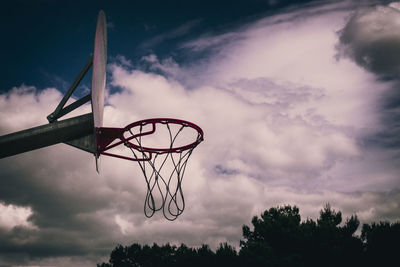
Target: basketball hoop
column 162, row 148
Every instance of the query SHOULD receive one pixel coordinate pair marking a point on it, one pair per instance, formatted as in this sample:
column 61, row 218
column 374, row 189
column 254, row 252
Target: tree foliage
column 381, row 243
column 279, row 238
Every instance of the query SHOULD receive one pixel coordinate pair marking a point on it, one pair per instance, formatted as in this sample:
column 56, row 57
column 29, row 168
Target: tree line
column 278, row 238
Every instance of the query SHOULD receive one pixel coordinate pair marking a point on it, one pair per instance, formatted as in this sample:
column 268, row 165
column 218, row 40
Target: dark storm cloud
column 390, row 118
column 65, row 207
column 371, row 38
column 40, row 243
column 26, row 185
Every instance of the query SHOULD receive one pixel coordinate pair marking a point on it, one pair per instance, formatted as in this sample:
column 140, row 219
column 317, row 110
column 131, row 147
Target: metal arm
column 46, row 135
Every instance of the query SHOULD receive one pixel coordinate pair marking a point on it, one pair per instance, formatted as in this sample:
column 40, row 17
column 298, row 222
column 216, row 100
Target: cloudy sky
column 299, row 102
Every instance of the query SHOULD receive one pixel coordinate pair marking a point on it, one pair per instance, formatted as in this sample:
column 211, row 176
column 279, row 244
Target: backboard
column 99, row 73
column 99, row 70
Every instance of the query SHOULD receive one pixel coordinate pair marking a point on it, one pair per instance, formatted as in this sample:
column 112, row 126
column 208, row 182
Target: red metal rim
column 153, row 122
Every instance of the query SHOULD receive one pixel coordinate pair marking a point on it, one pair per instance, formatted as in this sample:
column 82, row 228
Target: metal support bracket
column 60, row 110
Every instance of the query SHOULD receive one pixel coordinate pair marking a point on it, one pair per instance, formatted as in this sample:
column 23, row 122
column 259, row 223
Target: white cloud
column 174, row 33
column 123, row 61
column 395, row 5
column 12, row 216
column 24, row 107
column 167, row 66
column 125, row 225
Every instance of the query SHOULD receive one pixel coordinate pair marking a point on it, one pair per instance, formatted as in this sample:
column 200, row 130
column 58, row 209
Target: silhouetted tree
column 338, row 244
column 185, row 256
column 226, row 255
column 381, row 243
column 119, row 257
column 278, row 238
column 274, row 240
column 205, row 256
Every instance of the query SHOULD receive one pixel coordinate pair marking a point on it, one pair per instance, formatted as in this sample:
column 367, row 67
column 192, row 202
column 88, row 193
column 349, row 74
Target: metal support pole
column 55, row 115
column 74, row 105
column 46, row 135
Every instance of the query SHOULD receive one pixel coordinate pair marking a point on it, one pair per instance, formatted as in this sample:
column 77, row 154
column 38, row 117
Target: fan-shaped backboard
column 99, row 70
